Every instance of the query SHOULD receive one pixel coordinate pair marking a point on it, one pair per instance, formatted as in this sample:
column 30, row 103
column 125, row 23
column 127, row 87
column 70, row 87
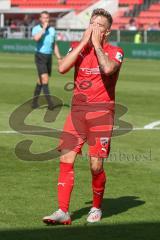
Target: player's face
column 102, row 23
column 44, row 18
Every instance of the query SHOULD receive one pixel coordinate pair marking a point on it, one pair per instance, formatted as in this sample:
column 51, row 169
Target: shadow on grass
column 111, row 206
column 138, row 231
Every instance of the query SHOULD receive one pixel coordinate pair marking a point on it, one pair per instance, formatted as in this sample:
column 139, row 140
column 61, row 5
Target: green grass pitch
column 28, row 188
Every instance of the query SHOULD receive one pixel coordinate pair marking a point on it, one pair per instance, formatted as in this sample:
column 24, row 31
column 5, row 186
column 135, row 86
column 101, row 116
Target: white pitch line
column 29, row 131
column 152, row 125
column 136, row 129
column 46, row 131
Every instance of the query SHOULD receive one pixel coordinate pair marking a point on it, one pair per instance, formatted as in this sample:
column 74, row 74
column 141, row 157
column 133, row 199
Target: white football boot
column 58, row 217
column 94, row 215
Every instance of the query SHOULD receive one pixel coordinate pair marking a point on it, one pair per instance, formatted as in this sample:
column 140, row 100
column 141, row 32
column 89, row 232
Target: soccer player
column 97, row 65
column 44, row 35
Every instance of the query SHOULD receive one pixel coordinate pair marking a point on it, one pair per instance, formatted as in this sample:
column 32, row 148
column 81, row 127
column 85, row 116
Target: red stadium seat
column 155, row 7
column 146, row 20
column 130, row 2
column 123, row 20
column 150, row 14
column 76, row 4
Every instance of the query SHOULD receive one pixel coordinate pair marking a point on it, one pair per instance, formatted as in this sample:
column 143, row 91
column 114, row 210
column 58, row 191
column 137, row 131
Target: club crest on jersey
column 119, row 56
column 104, row 141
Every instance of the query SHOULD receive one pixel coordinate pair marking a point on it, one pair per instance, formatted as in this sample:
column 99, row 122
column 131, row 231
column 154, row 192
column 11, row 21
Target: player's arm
column 69, row 60
column 57, row 52
column 40, row 34
column 107, row 65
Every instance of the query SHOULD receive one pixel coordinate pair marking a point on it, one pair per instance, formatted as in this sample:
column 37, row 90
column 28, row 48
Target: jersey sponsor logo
column 119, row 56
column 90, row 71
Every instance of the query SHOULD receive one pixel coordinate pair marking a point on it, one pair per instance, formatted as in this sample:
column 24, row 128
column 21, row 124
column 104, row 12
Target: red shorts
column 95, row 128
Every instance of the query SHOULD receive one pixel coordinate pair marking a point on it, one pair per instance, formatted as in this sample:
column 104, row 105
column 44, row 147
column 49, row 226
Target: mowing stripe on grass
column 46, row 131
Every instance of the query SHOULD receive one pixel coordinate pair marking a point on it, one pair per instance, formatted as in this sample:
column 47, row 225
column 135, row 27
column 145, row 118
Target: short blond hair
column 102, row 12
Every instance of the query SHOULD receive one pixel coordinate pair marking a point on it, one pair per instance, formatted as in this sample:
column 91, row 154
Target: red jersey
column 91, row 84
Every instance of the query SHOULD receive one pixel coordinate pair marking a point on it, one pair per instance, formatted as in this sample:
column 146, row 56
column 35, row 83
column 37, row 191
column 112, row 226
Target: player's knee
column 67, row 156
column 96, row 169
column 64, row 159
column 96, row 165
column 44, row 79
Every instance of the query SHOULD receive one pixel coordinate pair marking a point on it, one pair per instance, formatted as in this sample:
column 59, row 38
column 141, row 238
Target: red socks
column 65, row 185
column 98, row 186
column 66, row 182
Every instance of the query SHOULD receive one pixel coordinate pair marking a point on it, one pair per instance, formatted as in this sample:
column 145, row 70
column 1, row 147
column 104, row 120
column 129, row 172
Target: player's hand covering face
column 86, row 35
column 97, row 36
column 100, row 29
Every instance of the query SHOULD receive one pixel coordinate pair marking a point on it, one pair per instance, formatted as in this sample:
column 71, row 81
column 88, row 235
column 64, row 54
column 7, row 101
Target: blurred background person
column 44, row 35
